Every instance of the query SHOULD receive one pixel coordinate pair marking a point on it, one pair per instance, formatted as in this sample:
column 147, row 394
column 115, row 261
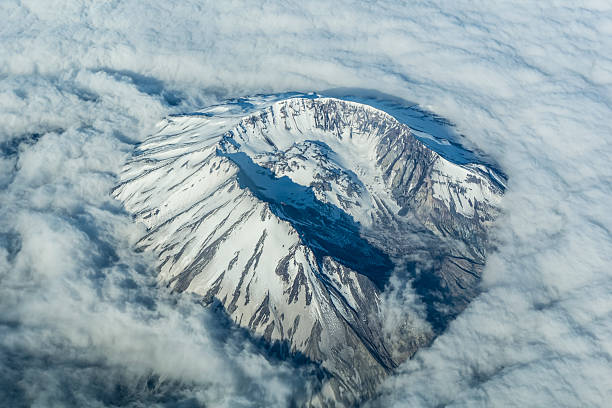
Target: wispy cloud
column 530, row 84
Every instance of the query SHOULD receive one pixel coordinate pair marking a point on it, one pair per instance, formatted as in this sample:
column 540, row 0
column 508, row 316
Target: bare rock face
column 293, row 214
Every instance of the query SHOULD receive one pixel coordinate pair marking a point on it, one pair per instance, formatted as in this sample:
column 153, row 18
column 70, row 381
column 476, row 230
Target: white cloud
column 530, row 84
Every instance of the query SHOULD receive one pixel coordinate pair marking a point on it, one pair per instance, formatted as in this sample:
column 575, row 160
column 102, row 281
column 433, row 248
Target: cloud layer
column 81, row 319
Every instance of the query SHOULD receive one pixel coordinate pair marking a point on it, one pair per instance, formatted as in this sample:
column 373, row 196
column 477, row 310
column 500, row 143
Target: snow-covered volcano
column 292, row 215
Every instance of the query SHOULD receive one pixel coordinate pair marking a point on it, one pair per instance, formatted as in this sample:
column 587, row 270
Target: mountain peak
column 292, row 214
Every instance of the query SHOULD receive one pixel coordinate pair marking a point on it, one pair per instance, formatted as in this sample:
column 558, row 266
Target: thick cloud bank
column 81, row 320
